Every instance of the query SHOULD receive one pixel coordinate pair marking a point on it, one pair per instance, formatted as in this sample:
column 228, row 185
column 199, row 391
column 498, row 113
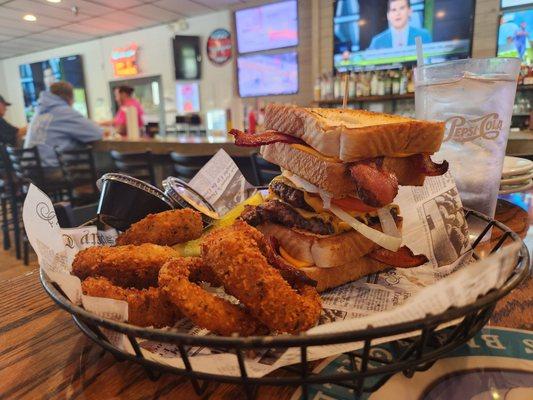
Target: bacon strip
column 403, row 258
column 259, row 139
column 424, row 164
column 291, row 274
column 376, row 186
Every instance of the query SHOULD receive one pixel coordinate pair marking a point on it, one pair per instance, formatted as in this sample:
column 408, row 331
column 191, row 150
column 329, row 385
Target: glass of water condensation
column 475, row 98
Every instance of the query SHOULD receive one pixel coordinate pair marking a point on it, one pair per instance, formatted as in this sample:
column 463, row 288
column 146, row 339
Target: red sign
column 124, row 60
column 219, row 46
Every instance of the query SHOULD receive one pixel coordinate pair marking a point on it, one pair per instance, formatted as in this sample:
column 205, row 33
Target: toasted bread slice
column 329, row 278
column 333, row 176
column 351, row 135
column 325, row 251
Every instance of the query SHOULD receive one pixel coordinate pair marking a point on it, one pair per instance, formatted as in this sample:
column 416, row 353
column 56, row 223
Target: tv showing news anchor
column 382, row 32
column 400, row 33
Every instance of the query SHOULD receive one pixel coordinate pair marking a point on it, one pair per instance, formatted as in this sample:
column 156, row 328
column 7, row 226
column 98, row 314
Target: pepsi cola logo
column 460, row 129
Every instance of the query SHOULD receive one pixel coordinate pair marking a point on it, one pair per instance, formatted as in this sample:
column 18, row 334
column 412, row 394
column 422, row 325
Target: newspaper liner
column 433, row 224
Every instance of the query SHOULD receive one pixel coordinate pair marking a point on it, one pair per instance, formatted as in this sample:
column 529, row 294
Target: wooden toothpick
column 345, row 99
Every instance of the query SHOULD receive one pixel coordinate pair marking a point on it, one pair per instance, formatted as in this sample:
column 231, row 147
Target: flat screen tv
column 515, row 35
column 187, row 97
column 370, row 33
column 267, row 74
column 38, row 76
column 515, row 3
column 271, row 26
column 187, row 57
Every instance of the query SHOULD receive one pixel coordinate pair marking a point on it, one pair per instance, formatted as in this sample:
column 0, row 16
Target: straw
column 419, row 51
column 345, row 99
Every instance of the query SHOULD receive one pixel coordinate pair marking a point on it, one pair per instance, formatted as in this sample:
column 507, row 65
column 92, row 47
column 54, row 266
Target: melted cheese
column 315, row 153
column 323, row 157
column 291, row 260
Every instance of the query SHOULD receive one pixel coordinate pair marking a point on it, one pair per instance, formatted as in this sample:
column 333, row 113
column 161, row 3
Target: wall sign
column 219, row 46
column 124, row 60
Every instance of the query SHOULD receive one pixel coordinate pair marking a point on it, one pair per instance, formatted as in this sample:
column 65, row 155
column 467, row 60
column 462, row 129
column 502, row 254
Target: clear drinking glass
column 475, row 98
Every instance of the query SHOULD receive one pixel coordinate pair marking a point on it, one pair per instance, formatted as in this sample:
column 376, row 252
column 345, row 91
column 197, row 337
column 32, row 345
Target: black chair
column 80, row 173
column 185, row 167
column 264, row 171
column 138, row 165
column 27, row 166
column 12, row 194
column 72, row 217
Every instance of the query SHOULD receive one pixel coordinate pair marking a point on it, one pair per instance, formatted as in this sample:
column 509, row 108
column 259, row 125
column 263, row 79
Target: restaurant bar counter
column 184, row 145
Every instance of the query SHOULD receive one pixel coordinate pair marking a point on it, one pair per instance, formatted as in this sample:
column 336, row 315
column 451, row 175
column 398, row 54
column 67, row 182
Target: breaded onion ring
column 146, row 307
column 126, row 266
column 233, row 254
column 201, row 307
column 165, row 228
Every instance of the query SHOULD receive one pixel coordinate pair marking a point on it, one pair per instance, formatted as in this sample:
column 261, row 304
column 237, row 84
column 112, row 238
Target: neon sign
column 124, row 60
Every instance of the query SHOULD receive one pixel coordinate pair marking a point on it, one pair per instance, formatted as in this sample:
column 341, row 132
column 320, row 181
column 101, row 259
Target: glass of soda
column 475, row 98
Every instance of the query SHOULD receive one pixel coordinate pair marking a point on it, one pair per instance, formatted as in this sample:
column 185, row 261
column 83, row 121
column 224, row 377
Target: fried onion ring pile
column 166, row 228
column 146, row 307
column 126, row 266
column 233, row 254
column 201, row 307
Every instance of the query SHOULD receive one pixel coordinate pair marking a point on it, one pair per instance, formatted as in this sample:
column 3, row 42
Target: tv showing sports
column 515, row 3
column 38, row 76
column 271, row 26
column 369, row 33
column 267, row 74
column 515, row 35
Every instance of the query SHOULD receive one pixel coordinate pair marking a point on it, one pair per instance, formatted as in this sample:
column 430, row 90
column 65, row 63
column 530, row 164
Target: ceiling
column 57, row 24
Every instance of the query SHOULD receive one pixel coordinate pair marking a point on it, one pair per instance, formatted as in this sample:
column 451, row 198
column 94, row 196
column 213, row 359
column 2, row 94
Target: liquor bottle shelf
column 368, row 99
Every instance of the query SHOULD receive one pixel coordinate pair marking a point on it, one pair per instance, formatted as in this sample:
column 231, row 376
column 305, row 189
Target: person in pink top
column 123, row 97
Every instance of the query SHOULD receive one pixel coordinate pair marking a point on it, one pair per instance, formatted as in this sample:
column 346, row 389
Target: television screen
column 267, row 74
column 187, row 97
column 267, row 27
column 515, row 35
column 380, row 32
column 514, row 3
column 187, row 57
column 38, row 76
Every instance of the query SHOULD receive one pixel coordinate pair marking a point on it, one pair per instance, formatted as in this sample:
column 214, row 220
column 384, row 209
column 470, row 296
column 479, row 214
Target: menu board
column 267, row 27
column 267, row 74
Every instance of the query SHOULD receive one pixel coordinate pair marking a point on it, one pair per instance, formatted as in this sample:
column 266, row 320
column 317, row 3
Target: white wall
column 155, row 58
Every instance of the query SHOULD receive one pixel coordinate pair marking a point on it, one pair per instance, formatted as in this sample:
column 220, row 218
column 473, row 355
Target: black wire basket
column 368, row 369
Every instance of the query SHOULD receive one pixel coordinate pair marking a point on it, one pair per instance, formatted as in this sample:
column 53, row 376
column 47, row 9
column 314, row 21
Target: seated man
column 9, row 134
column 57, row 124
column 400, row 33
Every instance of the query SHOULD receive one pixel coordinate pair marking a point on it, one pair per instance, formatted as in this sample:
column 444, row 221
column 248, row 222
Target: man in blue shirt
column 399, row 34
column 57, row 124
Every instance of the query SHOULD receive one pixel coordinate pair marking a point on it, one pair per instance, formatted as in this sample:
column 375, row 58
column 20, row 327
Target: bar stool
column 12, row 195
column 80, row 173
column 264, row 171
column 27, row 166
column 137, row 165
column 185, row 167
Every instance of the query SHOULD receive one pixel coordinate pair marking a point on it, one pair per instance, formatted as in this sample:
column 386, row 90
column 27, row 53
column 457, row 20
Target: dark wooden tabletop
column 43, row 355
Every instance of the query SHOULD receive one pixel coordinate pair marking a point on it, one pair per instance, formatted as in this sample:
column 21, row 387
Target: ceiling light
column 29, row 18
column 54, row 1
column 440, row 14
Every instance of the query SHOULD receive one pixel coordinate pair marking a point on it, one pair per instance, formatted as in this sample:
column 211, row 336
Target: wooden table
column 44, row 355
